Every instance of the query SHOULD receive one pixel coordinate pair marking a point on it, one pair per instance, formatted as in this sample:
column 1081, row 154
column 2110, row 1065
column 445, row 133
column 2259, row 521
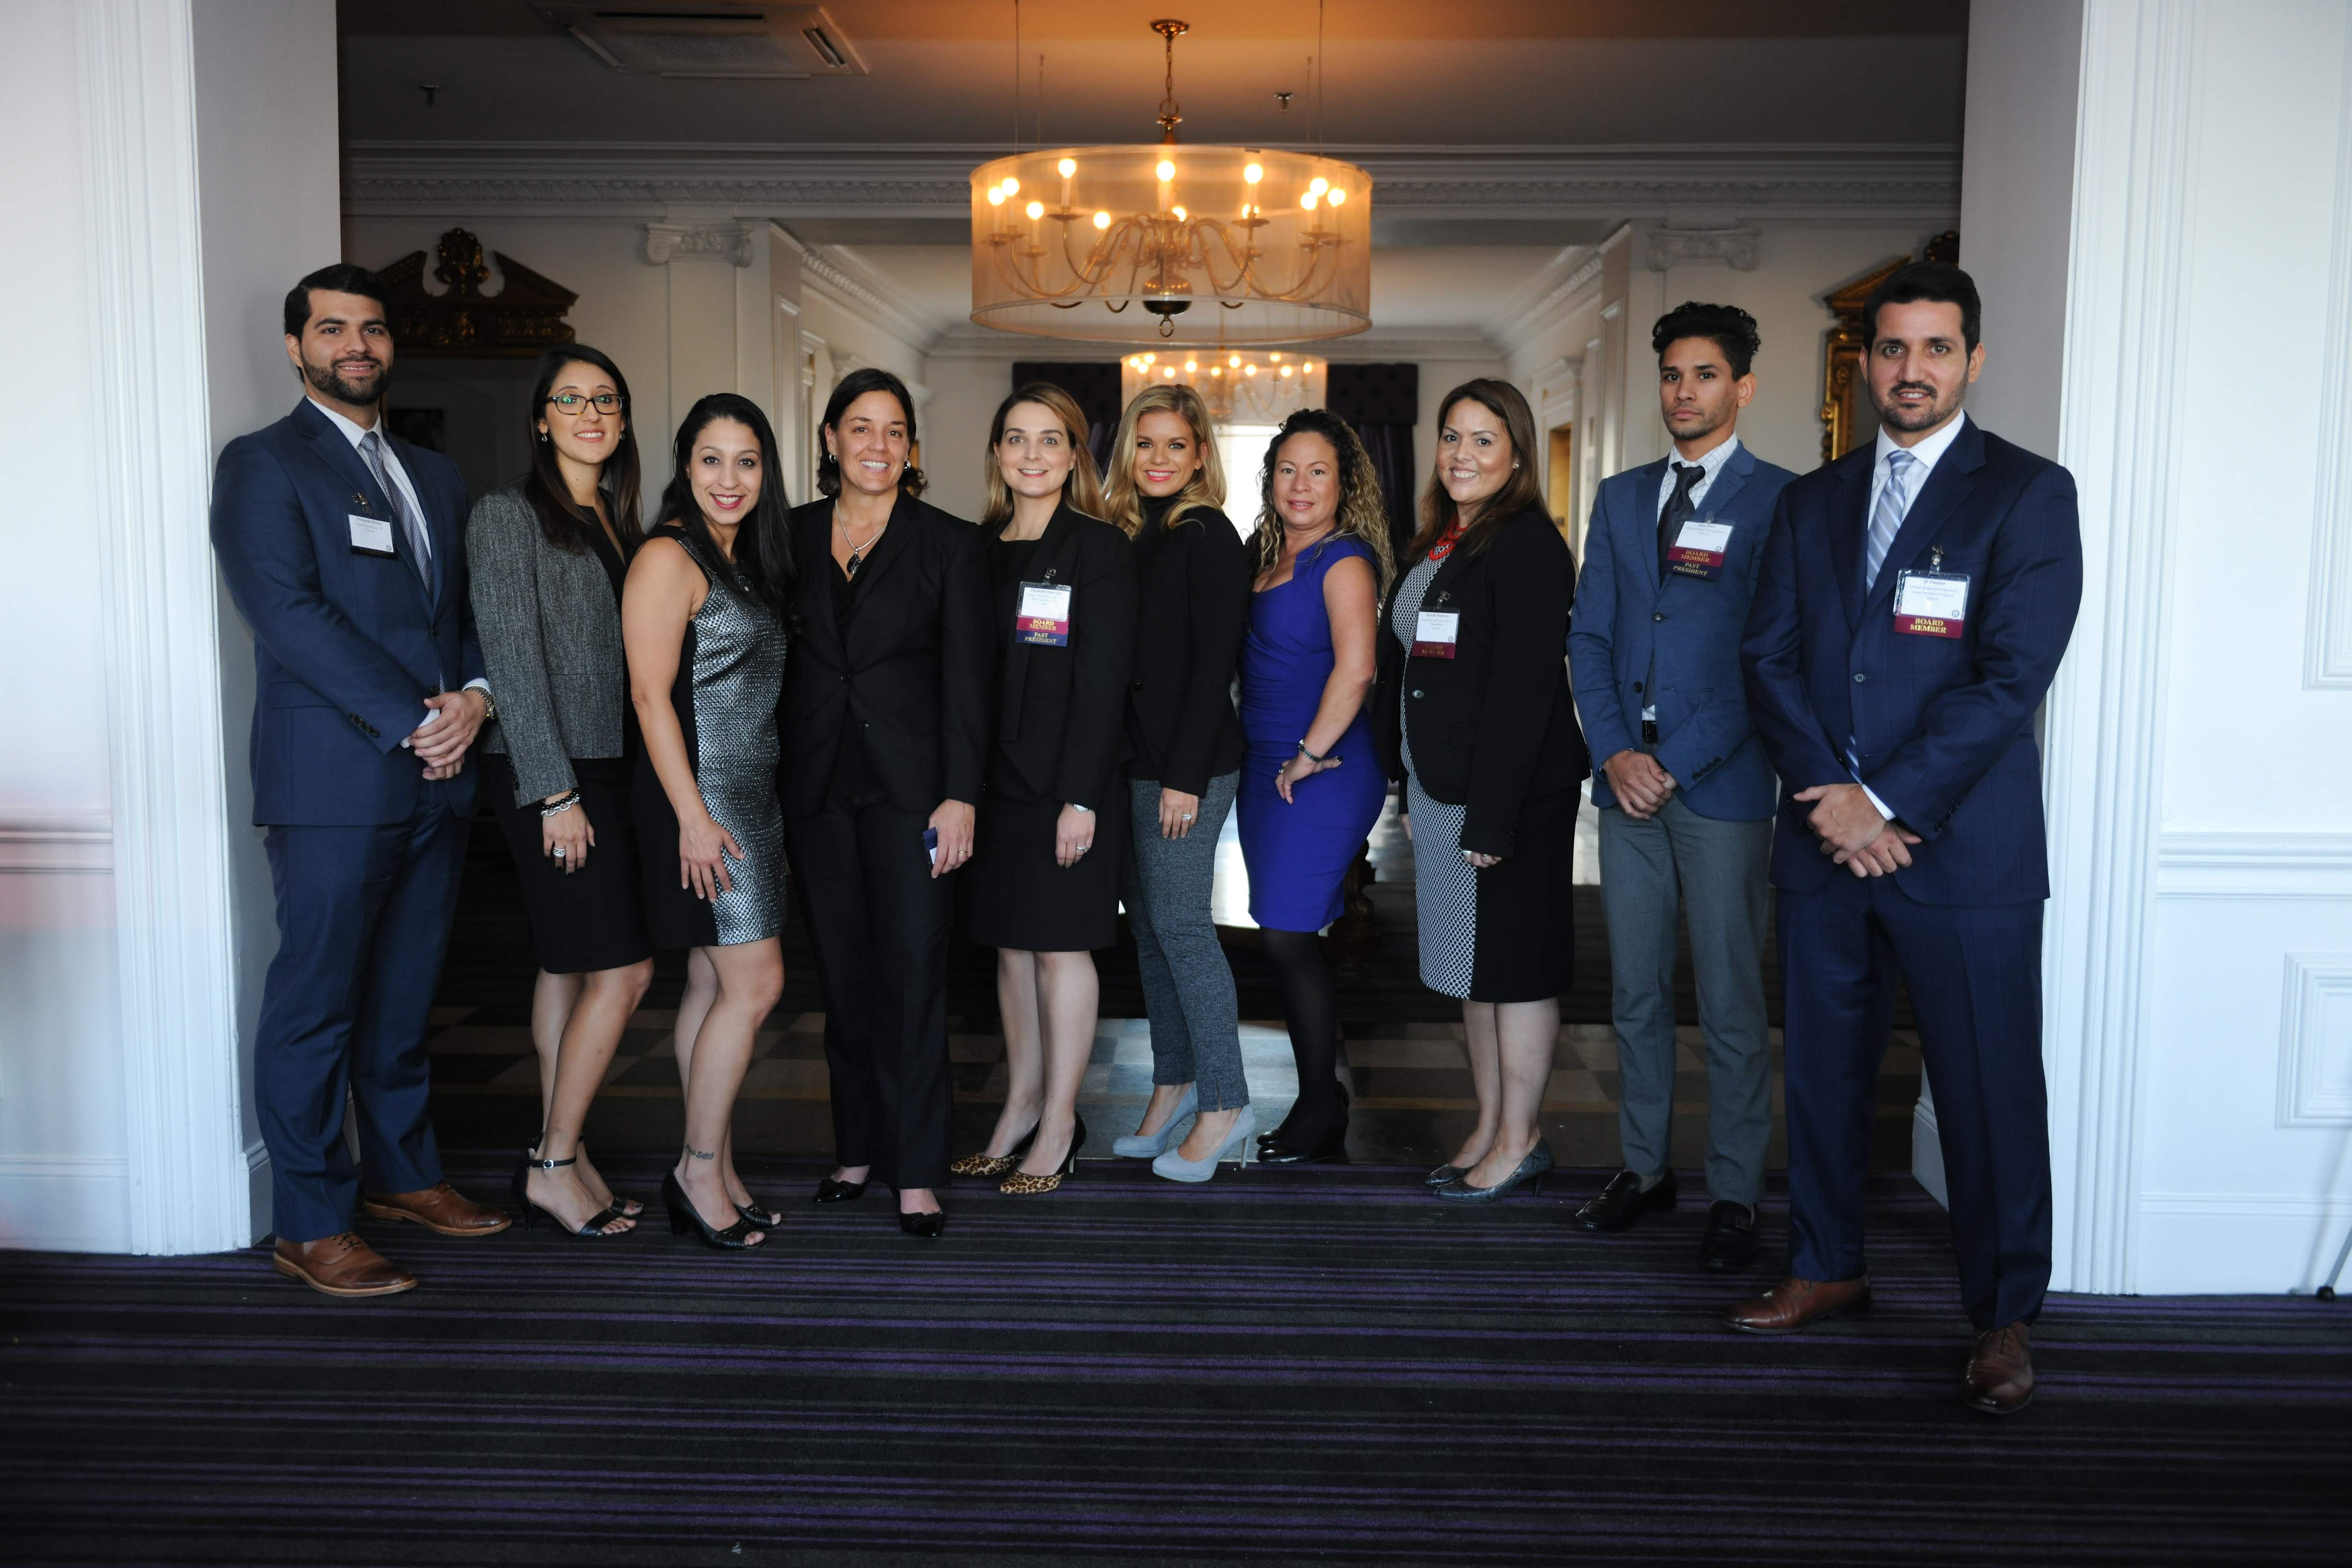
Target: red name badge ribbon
column 1699, row 550
column 1435, row 632
column 1931, row 604
column 1043, row 618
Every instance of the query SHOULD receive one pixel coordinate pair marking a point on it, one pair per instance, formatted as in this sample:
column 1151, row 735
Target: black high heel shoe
column 683, row 1220
column 832, row 1191
column 627, row 1208
column 761, row 1216
column 1022, row 1185
column 1284, row 1139
column 519, row 1189
column 930, row 1226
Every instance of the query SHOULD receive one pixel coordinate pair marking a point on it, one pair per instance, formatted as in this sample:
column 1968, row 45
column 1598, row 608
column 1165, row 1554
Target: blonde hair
column 1205, row 489
column 1361, row 515
column 1082, row 490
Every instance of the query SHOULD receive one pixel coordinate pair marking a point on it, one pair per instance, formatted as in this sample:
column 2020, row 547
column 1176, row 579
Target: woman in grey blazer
column 548, row 553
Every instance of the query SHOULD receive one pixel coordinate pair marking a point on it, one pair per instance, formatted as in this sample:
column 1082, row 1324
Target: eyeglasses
column 572, row 402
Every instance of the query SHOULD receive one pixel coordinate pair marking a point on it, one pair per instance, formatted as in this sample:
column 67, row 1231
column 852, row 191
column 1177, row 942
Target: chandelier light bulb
column 1191, row 365
column 1306, row 367
column 1249, row 370
column 1275, row 356
column 1036, row 210
column 1253, row 172
column 1179, row 212
column 1067, row 166
column 996, row 196
column 1285, row 371
column 1318, row 184
column 1234, row 359
column 1169, row 371
column 1166, row 171
column 1335, row 196
column 1151, row 359
column 1012, row 186
column 1102, row 220
column 1308, row 200
column 1216, row 370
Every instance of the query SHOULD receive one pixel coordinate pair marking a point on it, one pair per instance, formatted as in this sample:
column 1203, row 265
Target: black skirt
column 587, row 920
column 1015, row 896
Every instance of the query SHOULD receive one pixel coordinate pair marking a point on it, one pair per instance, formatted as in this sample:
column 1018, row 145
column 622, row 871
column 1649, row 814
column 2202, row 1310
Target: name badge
column 371, row 535
column 1930, row 604
column 1699, row 550
column 1043, row 618
column 1435, row 633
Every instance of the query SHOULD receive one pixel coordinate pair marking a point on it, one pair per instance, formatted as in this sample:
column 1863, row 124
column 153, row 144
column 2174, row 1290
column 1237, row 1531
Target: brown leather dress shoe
column 1793, row 1303
column 341, row 1266
column 438, row 1207
column 1998, row 1379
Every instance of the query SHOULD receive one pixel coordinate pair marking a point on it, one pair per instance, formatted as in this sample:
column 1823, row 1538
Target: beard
column 326, row 379
column 1911, row 416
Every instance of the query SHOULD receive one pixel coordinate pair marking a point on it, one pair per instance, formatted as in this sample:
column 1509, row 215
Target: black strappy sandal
column 533, row 1213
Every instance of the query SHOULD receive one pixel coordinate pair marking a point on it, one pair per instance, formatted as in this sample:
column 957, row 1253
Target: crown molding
column 520, row 178
column 845, row 278
column 969, row 341
column 728, row 242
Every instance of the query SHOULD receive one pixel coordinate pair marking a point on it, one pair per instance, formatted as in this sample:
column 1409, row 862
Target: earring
column 542, row 435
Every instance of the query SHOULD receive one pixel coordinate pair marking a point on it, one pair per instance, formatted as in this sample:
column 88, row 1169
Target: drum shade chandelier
column 1171, row 245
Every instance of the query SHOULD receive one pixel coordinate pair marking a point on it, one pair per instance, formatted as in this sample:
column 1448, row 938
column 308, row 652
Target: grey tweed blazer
column 551, row 646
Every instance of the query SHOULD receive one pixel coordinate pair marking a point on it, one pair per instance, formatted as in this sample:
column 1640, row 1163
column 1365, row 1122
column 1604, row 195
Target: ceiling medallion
column 1199, row 246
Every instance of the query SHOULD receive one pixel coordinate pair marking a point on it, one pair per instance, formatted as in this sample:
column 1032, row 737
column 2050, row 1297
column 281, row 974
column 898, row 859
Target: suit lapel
column 1638, row 538
column 887, row 549
column 327, row 441
column 1849, row 523
column 1948, row 484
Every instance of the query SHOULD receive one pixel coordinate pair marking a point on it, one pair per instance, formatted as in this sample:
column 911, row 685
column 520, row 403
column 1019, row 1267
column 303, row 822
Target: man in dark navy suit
column 1915, row 599
column 345, row 551
column 1685, row 790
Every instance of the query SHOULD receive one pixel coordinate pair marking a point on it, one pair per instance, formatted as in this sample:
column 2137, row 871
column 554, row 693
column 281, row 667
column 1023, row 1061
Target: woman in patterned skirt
column 702, row 617
column 1475, row 722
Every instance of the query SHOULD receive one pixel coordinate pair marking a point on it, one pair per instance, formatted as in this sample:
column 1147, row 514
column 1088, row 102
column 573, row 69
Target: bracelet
column 1311, row 757
column 569, row 799
column 1088, row 809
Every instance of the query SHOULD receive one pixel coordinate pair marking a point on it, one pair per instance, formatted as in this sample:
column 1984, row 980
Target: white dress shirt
column 354, row 434
column 1925, row 455
column 1709, row 466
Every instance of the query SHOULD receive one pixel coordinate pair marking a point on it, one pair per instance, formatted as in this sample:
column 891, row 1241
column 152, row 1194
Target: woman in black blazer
column 1475, row 719
column 885, row 725
column 1042, row 888
column 1165, row 490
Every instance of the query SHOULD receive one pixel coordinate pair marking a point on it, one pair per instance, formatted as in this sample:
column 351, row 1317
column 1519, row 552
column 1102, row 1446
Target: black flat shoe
column 685, row 1221
column 830, row 1191
column 1331, row 1146
column 1622, row 1202
column 1730, row 1239
column 930, row 1225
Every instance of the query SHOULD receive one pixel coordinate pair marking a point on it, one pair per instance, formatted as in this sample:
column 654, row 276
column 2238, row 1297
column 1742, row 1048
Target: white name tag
column 371, row 535
column 1435, row 633
column 1931, row 604
column 1043, row 618
column 1699, row 550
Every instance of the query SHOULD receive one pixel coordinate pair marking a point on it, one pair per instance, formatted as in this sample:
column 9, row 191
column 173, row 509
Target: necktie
column 1679, row 509
column 412, row 527
column 1887, row 518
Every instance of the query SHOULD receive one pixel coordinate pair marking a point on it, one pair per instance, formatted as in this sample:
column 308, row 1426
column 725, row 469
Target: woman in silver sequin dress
column 703, row 619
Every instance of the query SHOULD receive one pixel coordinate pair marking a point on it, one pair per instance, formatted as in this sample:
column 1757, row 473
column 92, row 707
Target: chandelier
column 1200, row 246
column 1243, row 386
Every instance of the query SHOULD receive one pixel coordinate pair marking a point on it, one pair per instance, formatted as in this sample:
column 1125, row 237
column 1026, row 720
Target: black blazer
column 1060, row 709
column 1493, row 727
column 914, row 673
column 1193, row 582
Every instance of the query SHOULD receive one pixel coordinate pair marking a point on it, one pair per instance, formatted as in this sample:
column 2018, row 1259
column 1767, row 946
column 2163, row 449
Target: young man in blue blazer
column 344, row 550
column 1684, row 790
column 1915, row 597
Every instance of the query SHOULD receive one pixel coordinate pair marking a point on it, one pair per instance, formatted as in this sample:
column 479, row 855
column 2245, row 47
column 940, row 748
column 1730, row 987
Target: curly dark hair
column 1362, row 515
column 1731, row 329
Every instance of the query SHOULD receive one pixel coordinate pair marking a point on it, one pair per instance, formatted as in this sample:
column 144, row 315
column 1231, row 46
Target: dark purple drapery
column 1381, row 403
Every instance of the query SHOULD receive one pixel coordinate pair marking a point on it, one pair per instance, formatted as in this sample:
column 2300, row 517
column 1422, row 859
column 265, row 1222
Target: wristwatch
column 489, row 705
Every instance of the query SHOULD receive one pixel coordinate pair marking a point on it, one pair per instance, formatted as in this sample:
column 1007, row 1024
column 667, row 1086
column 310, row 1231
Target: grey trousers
column 1715, row 871
column 1188, row 987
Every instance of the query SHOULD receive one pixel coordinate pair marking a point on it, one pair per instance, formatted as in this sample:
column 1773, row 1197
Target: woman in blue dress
column 1311, row 784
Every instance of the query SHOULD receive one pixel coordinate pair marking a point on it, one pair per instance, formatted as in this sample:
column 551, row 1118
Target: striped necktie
column 1887, row 518
column 412, row 527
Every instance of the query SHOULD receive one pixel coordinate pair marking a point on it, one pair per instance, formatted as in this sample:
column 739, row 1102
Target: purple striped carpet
column 1298, row 1367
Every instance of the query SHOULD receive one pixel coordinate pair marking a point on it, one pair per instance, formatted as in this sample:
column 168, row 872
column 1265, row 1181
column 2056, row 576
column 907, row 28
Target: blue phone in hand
column 931, row 844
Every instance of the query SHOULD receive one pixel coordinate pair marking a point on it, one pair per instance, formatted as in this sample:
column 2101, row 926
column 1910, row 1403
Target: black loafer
column 830, row 1191
column 1622, row 1202
column 1730, row 1239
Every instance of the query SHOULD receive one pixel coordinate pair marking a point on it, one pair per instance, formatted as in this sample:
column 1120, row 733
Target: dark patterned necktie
column 1678, row 511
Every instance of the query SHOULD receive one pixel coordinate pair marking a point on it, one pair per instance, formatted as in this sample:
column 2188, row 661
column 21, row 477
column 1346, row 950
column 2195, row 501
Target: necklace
column 1445, row 547
column 857, row 551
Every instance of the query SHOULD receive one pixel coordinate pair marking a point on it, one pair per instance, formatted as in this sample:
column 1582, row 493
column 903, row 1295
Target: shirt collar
column 352, row 432
column 1926, row 454
column 1712, row 463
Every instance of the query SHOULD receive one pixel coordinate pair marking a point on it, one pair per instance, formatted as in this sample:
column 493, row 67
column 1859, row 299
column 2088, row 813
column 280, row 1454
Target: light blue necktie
column 412, row 527
column 1887, row 520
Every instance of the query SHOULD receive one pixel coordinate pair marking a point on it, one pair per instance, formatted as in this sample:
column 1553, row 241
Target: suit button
column 1416, row 693
column 1139, row 686
column 1659, row 616
column 1637, row 686
column 1859, row 678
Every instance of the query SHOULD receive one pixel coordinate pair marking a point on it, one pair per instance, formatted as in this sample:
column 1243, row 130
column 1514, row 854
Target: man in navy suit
column 1915, row 600
column 1685, row 791
column 345, row 551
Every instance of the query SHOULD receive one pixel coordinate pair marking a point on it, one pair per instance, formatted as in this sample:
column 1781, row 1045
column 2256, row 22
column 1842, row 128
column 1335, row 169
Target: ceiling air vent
column 706, row 41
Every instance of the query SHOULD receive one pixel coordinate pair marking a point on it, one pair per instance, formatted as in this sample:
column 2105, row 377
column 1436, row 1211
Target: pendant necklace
column 1445, row 547
column 857, row 551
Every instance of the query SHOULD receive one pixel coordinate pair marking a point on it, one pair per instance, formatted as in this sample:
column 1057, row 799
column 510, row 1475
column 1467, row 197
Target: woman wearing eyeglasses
column 548, row 554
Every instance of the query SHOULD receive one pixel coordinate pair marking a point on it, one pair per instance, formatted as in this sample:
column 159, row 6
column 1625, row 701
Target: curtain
column 1093, row 384
column 1381, row 403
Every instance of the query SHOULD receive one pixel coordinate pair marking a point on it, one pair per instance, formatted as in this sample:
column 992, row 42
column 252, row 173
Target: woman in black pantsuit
column 1043, row 887
column 884, row 725
column 548, row 554
column 1473, row 716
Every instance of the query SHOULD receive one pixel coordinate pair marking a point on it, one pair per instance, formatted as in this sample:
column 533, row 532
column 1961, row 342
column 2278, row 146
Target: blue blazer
column 1941, row 728
column 1691, row 626
column 346, row 645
